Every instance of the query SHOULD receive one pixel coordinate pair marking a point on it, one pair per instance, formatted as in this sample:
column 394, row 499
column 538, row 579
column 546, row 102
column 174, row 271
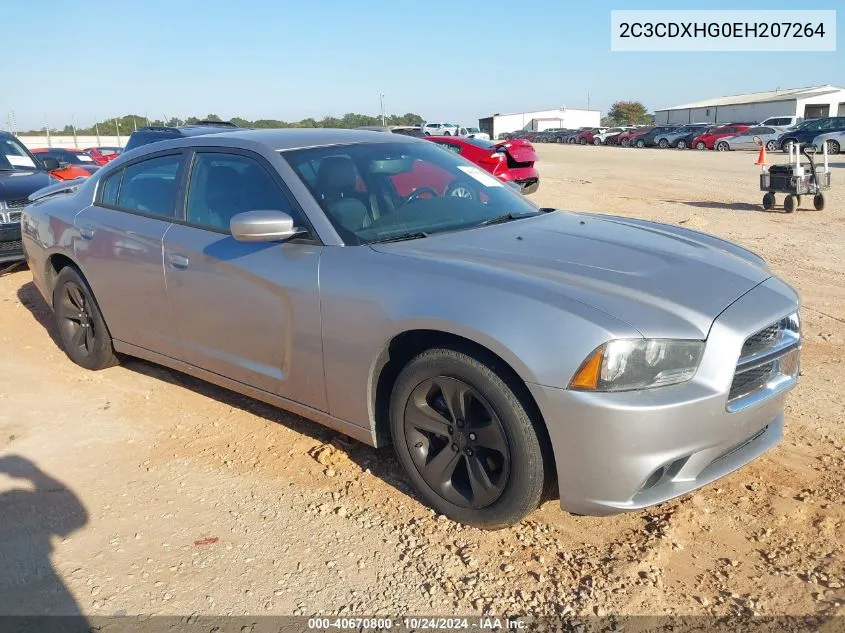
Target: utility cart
column 796, row 180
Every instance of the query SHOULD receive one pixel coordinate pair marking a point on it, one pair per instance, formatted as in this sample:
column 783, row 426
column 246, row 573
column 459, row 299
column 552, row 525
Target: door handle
column 177, row 261
column 86, row 232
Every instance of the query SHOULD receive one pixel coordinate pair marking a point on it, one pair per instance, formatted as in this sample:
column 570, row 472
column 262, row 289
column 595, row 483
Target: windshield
column 14, row 156
column 373, row 192
column 73, row 158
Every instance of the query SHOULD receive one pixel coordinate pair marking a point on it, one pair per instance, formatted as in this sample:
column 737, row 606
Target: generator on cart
column 795, row 179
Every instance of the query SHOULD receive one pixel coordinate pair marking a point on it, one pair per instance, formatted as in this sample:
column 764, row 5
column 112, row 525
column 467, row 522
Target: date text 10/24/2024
column 417, row 623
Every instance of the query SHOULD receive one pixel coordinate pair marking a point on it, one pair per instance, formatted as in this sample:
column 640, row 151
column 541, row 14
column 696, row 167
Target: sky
column 454, row 60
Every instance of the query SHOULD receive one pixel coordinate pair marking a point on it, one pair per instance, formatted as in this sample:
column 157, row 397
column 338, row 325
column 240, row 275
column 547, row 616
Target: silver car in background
column 399, row 294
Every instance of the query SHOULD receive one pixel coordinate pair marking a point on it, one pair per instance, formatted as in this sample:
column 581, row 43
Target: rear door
column 120, row 248
column 246, row 311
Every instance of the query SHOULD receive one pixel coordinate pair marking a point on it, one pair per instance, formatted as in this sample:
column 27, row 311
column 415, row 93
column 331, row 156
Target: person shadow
column 32, row 596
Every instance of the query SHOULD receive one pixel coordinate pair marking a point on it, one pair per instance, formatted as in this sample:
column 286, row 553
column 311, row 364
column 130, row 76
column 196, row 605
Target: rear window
column 145, row 137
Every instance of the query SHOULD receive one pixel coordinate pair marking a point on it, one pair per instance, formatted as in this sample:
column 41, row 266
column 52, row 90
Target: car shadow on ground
column 727, row 206
column 381, row 462
column 34, row 510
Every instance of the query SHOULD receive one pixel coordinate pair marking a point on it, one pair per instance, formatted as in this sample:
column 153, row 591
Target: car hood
column 15, row 185
column 665, row 281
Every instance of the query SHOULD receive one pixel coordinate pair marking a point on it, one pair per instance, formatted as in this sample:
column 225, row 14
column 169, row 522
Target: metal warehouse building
column 539, row 120
column 810, row 103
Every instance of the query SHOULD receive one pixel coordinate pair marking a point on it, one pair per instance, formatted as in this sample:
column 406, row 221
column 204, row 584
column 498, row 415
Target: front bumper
column 11, row 249
column 624, row 451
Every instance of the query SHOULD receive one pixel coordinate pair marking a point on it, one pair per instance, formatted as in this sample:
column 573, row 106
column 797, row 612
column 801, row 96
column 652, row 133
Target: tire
column 700, row 145
column 681, row 144
column 771, row 146
column 722, row 146
column 571, row 141
column 663, row 144
column 596, row 142
column 85, row 338
column 640, row 143
column 784, row 147
column 833, row 147
column 558, row 139
column 583, row 141
column 818, row 202
column 461, row 189
column 514, row 465
column 768, row 201
column 447, row 133
column 625, row 142
column 789, row 204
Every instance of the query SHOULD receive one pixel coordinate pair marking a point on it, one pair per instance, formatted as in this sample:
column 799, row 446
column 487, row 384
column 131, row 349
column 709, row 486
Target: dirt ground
column 140, row 490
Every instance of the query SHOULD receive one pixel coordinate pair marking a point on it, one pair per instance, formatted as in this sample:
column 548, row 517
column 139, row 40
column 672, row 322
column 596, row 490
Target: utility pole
column 117, row 128
column 97, row 130
column 47, row 127
column 381, row 102
column 73, row 127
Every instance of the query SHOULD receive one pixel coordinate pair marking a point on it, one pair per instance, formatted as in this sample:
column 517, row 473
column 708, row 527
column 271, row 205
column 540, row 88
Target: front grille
column 768, row 363
column 20, row 203
column 10, row 217
column 751, row 380
column 12, row 246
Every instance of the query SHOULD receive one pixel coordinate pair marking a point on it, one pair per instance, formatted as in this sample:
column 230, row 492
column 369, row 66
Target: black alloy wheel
column 457, row 442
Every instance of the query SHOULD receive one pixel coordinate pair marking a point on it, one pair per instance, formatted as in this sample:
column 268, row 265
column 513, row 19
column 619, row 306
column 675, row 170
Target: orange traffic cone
column 761, row 157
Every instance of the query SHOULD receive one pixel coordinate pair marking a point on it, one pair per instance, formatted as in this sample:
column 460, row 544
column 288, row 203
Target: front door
column 247, row 311
column 119, row 249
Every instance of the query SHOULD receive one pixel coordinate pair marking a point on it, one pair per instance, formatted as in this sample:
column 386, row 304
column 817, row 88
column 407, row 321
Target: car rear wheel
column 832, row 147
column 663, row 144
column 583, row 141
column 701, row 145
column 82, row 330
column 640, row 143
column 461, row 189
column 771, row 146
column 784, row 147
column 447, row 133
column 722, row 147
column 465, row 440
column 681, row 144
column 596, row 141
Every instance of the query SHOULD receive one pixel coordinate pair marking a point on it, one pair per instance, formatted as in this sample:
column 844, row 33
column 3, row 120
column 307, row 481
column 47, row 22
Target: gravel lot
column 146, row 491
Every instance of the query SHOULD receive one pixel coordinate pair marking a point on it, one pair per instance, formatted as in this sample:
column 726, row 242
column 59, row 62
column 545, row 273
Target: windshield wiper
column 505, row 217
column 413, row 235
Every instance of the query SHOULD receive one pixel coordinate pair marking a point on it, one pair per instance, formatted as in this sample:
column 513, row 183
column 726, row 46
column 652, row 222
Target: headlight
column 629, row 364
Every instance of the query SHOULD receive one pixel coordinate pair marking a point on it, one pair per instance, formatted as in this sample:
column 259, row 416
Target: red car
column 709, row 138
column 103, row 155
column 73, row 163
column 586, row 137
column 625, row 139
column 510, row 161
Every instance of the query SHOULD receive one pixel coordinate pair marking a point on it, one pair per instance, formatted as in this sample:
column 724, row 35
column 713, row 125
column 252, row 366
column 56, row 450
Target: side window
column 223, row 185
column 150, row 186
column 452, row 148
column 110, row 188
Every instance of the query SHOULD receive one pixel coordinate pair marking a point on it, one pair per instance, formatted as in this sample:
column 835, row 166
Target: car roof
column 297, row 138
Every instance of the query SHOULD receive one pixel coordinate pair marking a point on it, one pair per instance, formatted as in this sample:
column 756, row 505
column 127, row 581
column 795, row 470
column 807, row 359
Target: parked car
column 649, row 139
column 834, row 141
column 73, row 163
column 809, row 130
column 440, row 129
column 602, row 137
column 585, row 137
column 20, row 175
column 708, row 139
column 767, row 135
column 572, row 135
column 682, row 137
column 627, row 138
column 509, row 161
column 395, row 315
column 474, row 132
column 102, row 155
column 781, row 121
column 153, row 133
column 407, row 130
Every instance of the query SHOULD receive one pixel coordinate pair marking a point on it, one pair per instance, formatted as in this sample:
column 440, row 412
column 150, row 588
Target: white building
column 539, row 120
column 809, row 103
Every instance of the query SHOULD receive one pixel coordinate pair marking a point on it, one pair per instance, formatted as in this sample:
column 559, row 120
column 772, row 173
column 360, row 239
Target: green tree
column 629, row 112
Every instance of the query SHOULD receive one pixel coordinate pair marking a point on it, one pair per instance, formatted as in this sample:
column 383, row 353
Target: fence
column 82, row 142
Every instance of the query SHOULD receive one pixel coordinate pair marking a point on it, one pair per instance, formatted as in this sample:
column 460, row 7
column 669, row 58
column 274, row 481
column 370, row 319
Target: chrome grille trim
column 768, row 364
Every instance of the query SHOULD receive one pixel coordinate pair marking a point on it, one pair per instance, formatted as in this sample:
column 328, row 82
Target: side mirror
column 50, row 164
column 263, row 226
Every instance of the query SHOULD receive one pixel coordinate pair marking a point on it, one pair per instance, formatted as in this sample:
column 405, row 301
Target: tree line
column 127, row 124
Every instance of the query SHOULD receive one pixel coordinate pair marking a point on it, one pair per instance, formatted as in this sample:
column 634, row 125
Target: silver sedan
column 399, row 294
column 752, row 138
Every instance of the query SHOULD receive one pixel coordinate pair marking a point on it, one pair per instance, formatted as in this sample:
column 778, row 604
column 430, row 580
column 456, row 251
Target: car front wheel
column 723, row 147
column 701, row 145
column 466, row 441
column 82, row 330
column 681, row 145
